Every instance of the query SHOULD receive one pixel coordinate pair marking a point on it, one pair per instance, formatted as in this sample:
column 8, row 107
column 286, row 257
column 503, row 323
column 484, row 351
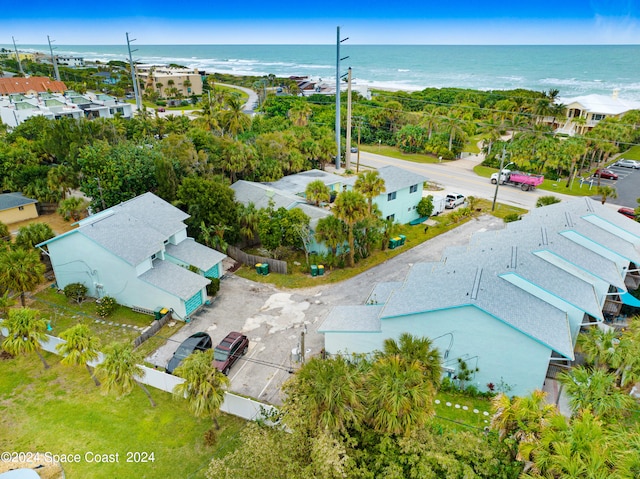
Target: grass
column 393, row 152
column 60, row 410
column 452, row 417
column 632, row 154
column 300, row 277
column 557, row 186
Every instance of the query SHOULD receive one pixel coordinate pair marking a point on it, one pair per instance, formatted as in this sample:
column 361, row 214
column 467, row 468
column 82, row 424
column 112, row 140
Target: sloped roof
column 260, row 194
column 606, row 104
column 24, row 85
column 14, row 200
column 191, row 252
column 174, row 279
column 297, row 184
column 396, row 178
column 353, row 318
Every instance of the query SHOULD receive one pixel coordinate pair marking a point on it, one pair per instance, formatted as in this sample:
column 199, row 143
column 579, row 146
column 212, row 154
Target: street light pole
column 495, row 195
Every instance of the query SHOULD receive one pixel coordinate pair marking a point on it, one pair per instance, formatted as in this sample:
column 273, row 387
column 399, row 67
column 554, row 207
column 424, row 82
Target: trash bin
column 314, row 270
column 320, row 269
column 393, row 243
column 259, row 268
column 403, row 238
column 156, row 313
column 265, row 269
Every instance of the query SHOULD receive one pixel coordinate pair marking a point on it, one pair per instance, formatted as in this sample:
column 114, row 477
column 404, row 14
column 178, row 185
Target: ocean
column 573, row 70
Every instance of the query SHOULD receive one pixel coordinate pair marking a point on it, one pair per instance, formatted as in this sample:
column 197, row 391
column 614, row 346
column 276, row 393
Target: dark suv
column 229, row 351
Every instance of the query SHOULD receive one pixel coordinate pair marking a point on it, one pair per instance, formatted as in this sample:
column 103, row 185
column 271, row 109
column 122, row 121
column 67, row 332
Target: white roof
column 606, row 104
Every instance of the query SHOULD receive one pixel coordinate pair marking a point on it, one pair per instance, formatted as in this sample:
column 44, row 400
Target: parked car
column 229, row 351
column 606, row 174
column 161, row 109
column 354, row 149
column 453, row 200
column 196, row 342
column 628, row 163
column 628, row 212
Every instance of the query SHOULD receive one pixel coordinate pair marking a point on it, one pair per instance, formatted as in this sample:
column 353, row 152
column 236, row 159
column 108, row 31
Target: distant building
column 17, row 108
column 593, row 109
column 15, row 207
column 186, row 81
column 31, row 85
column 70, row 61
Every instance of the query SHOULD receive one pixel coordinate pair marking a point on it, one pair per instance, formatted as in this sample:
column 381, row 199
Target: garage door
column 193, row 303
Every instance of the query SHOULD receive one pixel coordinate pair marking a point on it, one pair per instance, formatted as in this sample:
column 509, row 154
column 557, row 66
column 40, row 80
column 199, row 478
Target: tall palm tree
column 326, row 393
column 20, row 271
column 120, row 370
column 249, row 219
column 398, row 398
column 80, row 348
column 204, row 386
column 370, row 184
column 26, row 331
column 299, row 113
column 351, row 208
column 232, row 118
column 411, row 348
column 454, row 126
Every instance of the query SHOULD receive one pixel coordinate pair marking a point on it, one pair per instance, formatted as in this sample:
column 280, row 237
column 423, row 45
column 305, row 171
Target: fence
column 153, row 329
column 275, row 266
column 246, row 408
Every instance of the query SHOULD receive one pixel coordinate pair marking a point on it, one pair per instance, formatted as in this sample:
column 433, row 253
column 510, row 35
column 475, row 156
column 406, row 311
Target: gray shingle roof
column 363, row 319
column 174, row 279
column 396, row 178
column 194, row 253
column 14, row 200
column 125, row 236
column 260, row 194
column 155, row 212
column 297, row 184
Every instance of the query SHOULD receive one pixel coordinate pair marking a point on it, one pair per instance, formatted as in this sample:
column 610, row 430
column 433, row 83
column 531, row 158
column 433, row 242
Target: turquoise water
column 574, row 70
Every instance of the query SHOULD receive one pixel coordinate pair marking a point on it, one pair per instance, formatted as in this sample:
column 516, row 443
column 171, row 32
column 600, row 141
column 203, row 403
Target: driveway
column 274, row 319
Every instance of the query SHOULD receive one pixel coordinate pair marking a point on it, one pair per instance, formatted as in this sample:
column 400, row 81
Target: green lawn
column 632, row 154
column 393, row 152
column 469, row 413
column 61, row 411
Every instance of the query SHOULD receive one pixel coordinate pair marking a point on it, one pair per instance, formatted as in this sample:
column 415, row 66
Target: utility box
column 320, row 269
column 314, row 270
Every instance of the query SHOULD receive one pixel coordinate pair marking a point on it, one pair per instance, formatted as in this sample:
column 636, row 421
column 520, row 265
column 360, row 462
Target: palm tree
column 326, row 393
column 596, row 390
column 411, row 348
column 26, row 331
column 370, row 184
column 249, row 219
column 72, row 208
column 204, row 386
column 398, row 398
column 454, row 126
column 600, row 347
column 81, row 347
column 350, row 207
column 20, row 271
column 607, row 191
column 120, row 369
column 317, row 192
column 232, row 118
column 520, row 421
column 331, row 231
column 33, row 234
column 6, row 302
column 299, row 113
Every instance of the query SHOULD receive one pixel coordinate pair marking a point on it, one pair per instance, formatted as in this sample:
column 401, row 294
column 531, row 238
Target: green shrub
column 511, row 217
column 547, row 200
column 76, row 292
column 105, row 306
column 213, row 287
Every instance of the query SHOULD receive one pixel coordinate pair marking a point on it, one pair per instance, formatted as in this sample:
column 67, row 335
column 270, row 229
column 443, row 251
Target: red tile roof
column 25, row 85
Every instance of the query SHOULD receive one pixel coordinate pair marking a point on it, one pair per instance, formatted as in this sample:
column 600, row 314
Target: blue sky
column 364, row 22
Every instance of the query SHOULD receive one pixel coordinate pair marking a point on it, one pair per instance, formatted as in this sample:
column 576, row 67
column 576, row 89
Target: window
column 391, row 217
column 391, row 196
column 413, row 188
column 21, row 208
column 598, row 116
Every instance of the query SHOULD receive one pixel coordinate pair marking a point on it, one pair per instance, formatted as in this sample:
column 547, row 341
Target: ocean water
column 574, row 70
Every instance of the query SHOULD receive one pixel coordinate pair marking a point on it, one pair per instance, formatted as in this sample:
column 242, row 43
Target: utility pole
column 358, row 157
column 338, row 77
column 17, row 56
column 495, row 195
column 347, row 151
column 53, row 60
column 134, row 80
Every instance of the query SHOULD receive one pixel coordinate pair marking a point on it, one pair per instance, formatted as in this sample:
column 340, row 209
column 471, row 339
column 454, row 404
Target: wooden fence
column 275, row 266
column 153, row 329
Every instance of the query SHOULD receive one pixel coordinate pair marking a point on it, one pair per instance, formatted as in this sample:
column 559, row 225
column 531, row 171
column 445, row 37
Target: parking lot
column 274, row 320
column 627, row 186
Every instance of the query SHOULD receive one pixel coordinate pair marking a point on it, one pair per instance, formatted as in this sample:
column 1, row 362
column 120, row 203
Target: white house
column 137, row 252
column 512, row 302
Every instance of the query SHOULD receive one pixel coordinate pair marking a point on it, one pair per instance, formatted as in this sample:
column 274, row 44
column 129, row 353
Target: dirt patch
column 33, row 460
column 5, row 356
column 58, row 225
